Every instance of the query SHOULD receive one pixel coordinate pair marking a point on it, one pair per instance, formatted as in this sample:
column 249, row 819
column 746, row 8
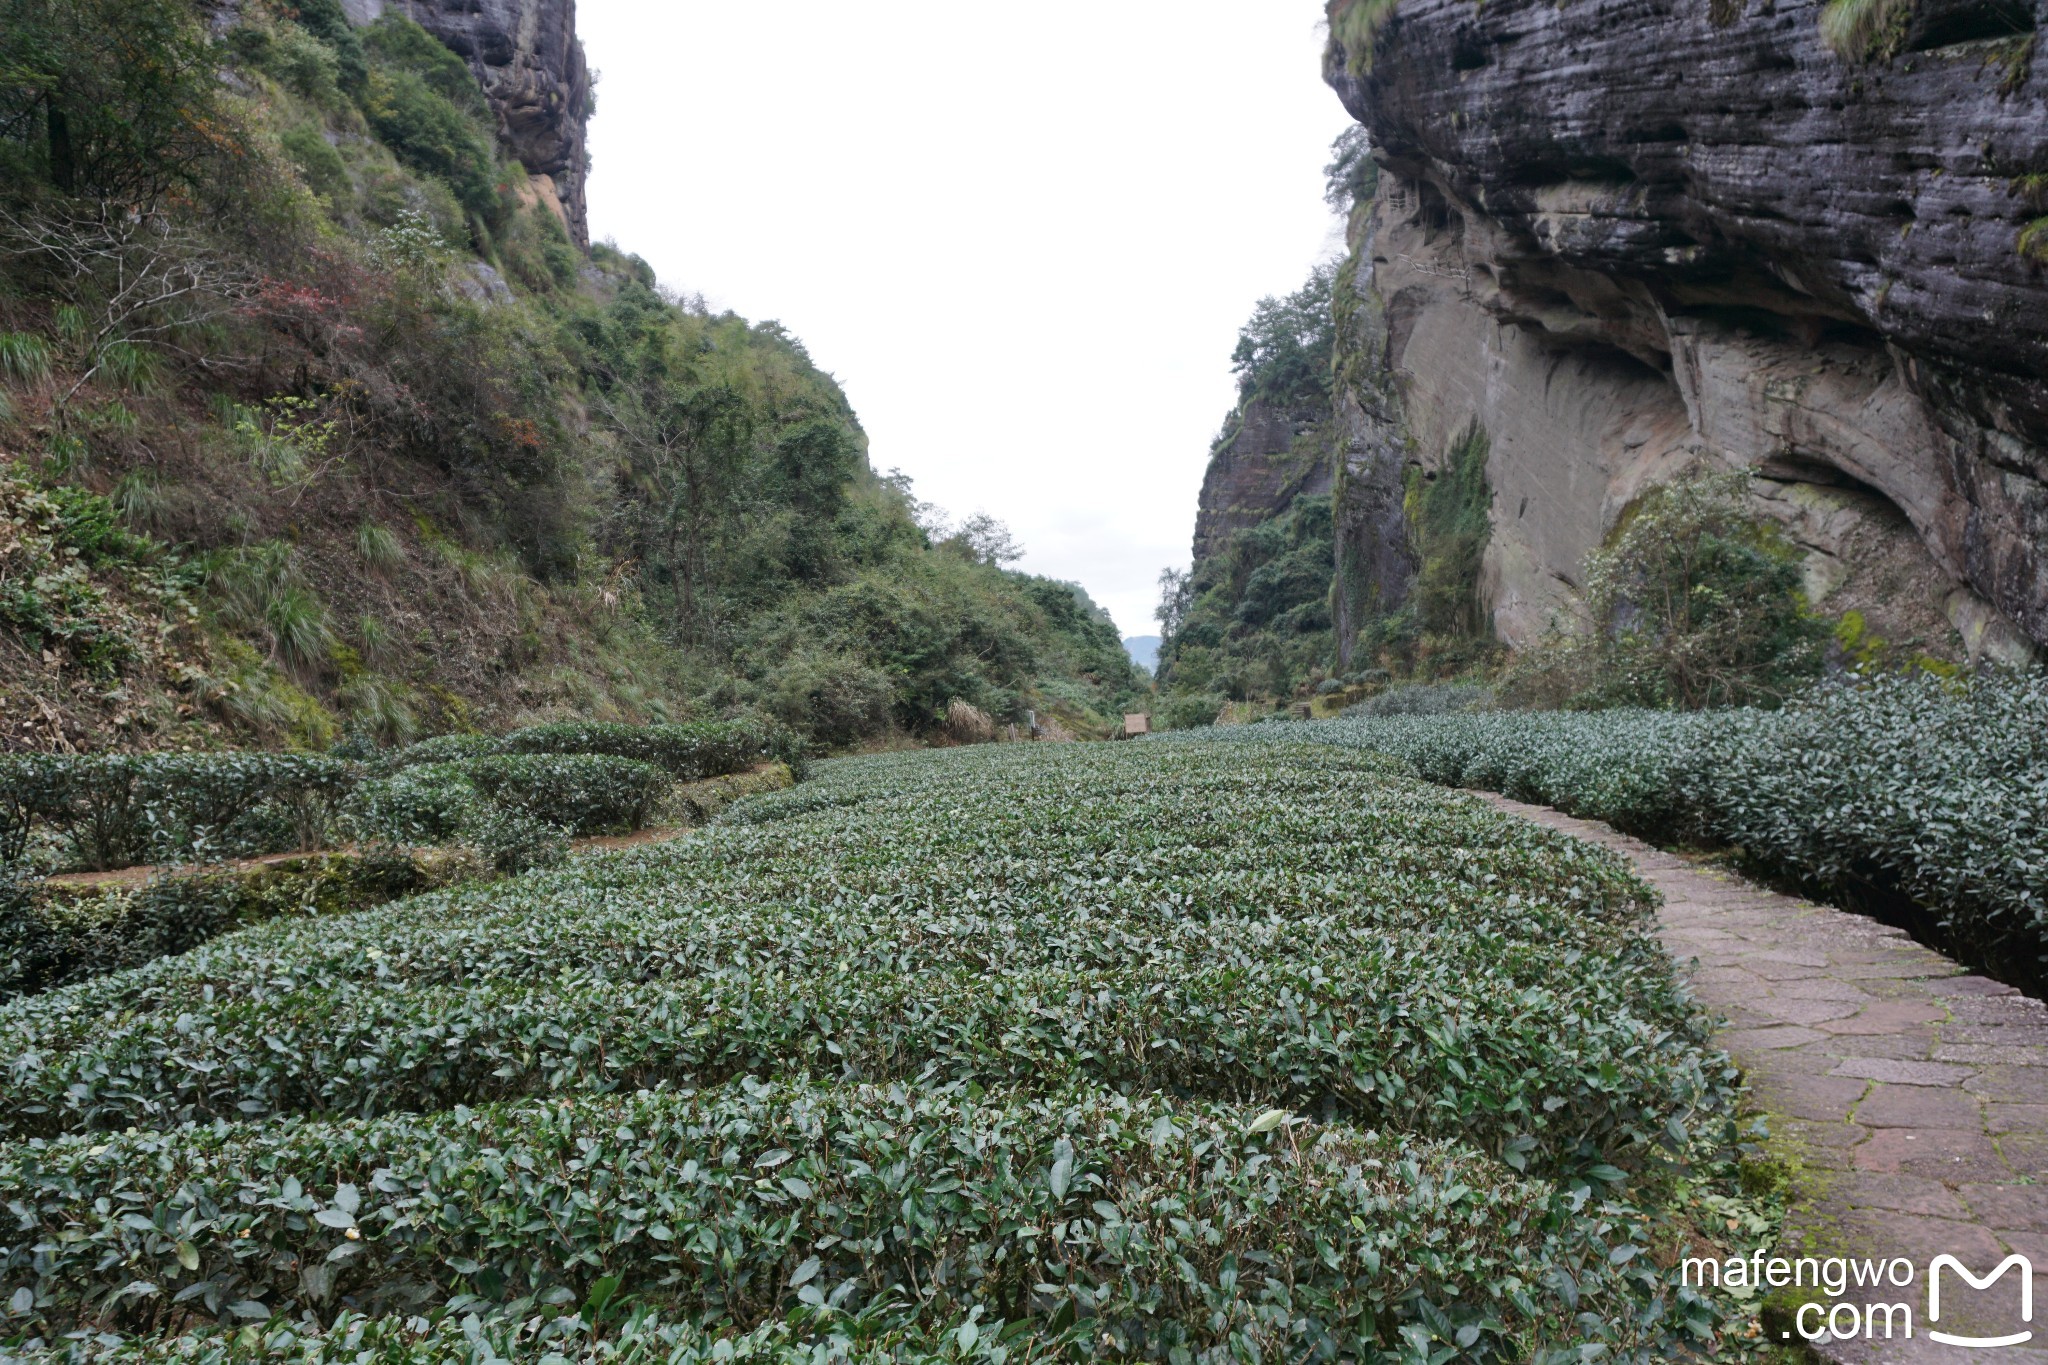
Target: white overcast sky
column 1022, row 237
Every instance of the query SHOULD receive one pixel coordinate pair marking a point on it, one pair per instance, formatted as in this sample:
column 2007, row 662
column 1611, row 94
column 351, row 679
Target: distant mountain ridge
column 1144, row 651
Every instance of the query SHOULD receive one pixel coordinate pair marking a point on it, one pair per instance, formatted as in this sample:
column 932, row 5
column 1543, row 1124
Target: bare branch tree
column 138, row 280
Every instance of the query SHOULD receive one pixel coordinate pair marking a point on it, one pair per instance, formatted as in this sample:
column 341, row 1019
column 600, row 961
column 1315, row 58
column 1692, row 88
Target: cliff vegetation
column 316, row 418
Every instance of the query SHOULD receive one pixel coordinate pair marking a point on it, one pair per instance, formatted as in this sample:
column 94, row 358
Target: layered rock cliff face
column 1269, row 455
column 1628, row 237
column 527, row 58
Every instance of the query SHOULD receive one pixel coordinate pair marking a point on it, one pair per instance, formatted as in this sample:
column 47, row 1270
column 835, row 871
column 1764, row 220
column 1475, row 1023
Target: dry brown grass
column 966, row 723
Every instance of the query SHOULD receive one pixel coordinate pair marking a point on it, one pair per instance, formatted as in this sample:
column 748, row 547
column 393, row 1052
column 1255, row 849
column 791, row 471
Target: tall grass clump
column 1865, row 30
column 377, row 547
column 24, row 357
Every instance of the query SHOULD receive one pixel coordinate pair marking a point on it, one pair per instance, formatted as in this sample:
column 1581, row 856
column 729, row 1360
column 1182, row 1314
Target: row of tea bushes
column 1153, row 1052
column 1889, row 793
column 54, row 938
column 1277, row 932
column 120, row 810
column 1134, row 1227
column 688, row 752
column 105, row 811
column 518, row 809
column 490, row 815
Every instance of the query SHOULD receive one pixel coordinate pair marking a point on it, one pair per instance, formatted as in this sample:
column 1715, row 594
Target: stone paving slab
column 1909, row 1096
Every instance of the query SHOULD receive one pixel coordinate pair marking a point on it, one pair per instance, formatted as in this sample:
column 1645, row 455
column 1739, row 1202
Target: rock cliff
column 1627, row 237
column 527, row 58
column 1269, row 455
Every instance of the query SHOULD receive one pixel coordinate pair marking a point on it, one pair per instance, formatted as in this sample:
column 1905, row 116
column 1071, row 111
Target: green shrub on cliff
column 1695, row 601
column 1283, row 352
column 1450, row 516
column 113, row 100
column 1253, row 620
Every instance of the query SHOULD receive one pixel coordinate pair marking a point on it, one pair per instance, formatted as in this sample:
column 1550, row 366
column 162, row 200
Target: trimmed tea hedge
column 581, row 793
column 1296, row 954
column 1166, row 1226
column 49, row 940
column 106, row 811
column 1147, row 1051
column 689, row 752
column 120, row 810
column 1895, row 788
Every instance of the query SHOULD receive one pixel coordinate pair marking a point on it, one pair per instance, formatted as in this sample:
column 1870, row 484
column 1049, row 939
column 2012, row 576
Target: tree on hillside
column 1283, row 353
column 986, row 540
column 117, row 102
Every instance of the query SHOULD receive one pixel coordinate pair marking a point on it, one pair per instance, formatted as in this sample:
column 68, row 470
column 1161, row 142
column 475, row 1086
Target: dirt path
column 1910, row 1097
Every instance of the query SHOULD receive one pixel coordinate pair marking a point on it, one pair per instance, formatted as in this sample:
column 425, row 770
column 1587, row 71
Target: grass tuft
column 2033, row 241
column 377, row 547
column 1865, row 30
column 24, row 357
column 1355, row 26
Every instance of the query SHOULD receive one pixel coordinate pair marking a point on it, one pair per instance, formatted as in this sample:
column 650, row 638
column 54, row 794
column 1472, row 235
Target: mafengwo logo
column 1860, row 1315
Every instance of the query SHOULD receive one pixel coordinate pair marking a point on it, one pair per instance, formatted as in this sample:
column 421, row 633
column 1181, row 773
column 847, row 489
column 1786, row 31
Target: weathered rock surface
column 1630, row 236
column 527, row 59
column 1268, row 456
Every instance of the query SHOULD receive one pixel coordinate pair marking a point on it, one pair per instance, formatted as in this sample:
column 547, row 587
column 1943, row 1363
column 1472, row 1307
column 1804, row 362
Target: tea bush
column 690, row 752
column 1145, row 1225
column 104, row 811
column 1154, row 1051
column 432, row 803
column 119, row 810
column 49, row 940
column 438, row 749
column 1893, row 786
column 1424, row 699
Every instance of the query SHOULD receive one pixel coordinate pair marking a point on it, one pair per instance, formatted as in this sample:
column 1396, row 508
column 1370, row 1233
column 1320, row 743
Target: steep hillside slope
column 316, row 418
column 1618, row 240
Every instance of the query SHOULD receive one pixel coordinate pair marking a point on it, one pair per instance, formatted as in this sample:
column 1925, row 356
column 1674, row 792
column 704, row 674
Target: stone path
column 1910, row 1097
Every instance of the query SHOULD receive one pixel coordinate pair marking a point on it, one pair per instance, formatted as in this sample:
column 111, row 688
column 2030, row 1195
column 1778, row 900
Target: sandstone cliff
column 1630, row 236
column 1269, row 454
column 527, row 58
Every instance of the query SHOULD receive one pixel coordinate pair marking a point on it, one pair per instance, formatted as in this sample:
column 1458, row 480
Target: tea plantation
column 1916, row 798
column 1163, row 1052
column 502, row 803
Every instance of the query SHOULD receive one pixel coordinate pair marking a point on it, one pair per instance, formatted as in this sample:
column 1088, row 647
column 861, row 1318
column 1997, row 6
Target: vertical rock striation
column 1628, row 237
